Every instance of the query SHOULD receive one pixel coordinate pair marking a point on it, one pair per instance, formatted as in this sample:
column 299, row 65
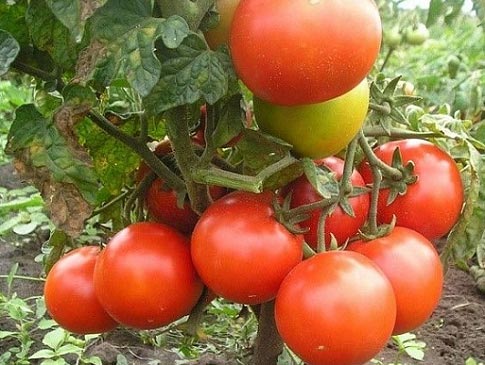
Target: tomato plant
column 412, row 265
column 219, row 34
column 144, row 278
column 338, row 223
column 316, row 130
column 433, row 203
column 69, row 293
column 241, row 251
column 285, row 63
column 336, row 308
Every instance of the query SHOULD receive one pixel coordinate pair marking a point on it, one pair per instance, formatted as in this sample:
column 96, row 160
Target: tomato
column 293, row 52
column 69, row 293
column 433, row 204
column 241, row 251
column 219, row 35
column 316, row 130
column 393, row 38
column 416, row 35
column 145, row 278
column 339, row 223
column 336, row 308
column 161, row 201
column 414, row 269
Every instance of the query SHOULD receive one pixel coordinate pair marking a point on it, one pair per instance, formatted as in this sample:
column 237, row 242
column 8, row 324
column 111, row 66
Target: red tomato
column 219, row 35
column 241, row 251
column 339, row 223
column 433, row 204
column 144, row 278
column 414, row 269
column 292, row 52
column 336, row 308
column 70, row 297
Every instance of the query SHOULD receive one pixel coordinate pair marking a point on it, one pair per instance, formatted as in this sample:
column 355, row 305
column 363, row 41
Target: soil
column 455, row 332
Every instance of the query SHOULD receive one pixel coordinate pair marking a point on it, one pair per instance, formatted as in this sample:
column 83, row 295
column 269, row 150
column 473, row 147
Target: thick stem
column 268, row 344
column 187, row 160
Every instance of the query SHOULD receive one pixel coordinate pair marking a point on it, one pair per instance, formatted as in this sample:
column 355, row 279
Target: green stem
column 398, row 133
column 168, row 176
column 110, row 203
column 139, row 191
column 307, row 208
column 22, row 277
column 376, row 186
column 187, row 160
column 373, row 160
column 387, row 58
column 346, row 180
column 384, row 108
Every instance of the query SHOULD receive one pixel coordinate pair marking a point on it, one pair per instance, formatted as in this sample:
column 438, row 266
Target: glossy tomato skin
column 145, row 278
column 339, row 223
column 70, row 296
column 239, row 249
column 414, row 269
column 336, row 308
column 219, row 35
column 316, row 130
column 433, row 204
column 293, row 52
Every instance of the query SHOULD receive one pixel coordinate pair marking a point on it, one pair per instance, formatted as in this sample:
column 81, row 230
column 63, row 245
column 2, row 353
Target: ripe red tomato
column 241, row 251
column 339, row 223
column 144, row 278
column 219, row 35
column 414, row 269
column 433, row 204
column 336, row 308
column 292, row 52
column 70, row 297
column 316, row 130
column 161, row 202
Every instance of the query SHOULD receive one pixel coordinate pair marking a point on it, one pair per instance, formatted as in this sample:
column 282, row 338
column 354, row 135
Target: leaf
column 54, row 339
column 43, row 354
column 12, row 20
column 50, row 35
column 229, row 123
column 9, row 49
column 322, row 180
column 69, row 348
column 66, row 182
column 74, row 13
column 189, row 73
column 129, row 32
column 5, row 334
column 467, row 235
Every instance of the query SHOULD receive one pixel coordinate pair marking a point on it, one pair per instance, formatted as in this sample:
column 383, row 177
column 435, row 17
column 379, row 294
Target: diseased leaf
column 74, row 13
column 322, row 179
column 50, row 35
column 129, row 32
column 62, row 174
column 9, row 49
column 189, row 73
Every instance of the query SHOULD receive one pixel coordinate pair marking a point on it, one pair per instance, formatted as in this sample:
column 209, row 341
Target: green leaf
column 69, row 349
column 189, row 73
column 50, row 35
column 43, row 354
column 12, row 20
column 31, row 131
column 322, row 180
column 5, row 334
column 54, row 339
column 130, row 32
column 74, row 13
column 467, row 235
column 9, row 49
column 229, row 123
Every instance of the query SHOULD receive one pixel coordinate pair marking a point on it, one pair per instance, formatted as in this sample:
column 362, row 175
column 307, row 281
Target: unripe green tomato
column 316, row 130
column 453, row 66
column 416, row 35
column 393, row 38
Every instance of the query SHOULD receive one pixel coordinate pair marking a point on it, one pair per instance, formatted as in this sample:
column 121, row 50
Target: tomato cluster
column 310, row 89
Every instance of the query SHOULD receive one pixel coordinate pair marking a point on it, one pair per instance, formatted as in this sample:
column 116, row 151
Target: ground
column 455, row 332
